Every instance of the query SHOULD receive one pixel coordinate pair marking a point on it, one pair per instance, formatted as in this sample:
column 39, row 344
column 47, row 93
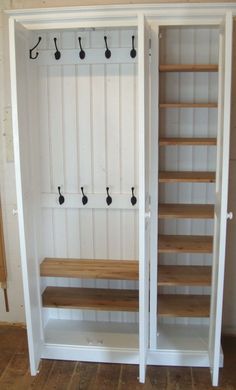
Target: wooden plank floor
column 65, row 375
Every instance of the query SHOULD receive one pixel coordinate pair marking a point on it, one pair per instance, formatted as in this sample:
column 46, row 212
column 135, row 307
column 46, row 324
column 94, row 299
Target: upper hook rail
column 82, row 52
column 31, row 50
column 57, row 54
column 107, row 52
column 133, row 52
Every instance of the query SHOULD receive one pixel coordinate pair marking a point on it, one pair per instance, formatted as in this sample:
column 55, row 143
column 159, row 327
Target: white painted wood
column 221, row 197
column 144, row 191
column 19, row 65
column 154, row 183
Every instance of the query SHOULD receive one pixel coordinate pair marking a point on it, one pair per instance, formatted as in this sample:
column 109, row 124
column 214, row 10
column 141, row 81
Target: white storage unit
column 103, row 280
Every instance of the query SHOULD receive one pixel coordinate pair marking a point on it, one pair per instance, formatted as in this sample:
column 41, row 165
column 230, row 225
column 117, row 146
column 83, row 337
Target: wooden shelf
column 185, row 244
column 172, row 210
column 90, row 269
column 187, row 141
column 188, row 105
column 186, row 176
column 188, row 68
column 184, row 275
column 91, row 298
column 170, row 305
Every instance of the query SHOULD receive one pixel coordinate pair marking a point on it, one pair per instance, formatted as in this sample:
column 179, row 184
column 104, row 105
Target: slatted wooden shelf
column 184, row 275
column 91, row 298
column 185, row 244
column 90, row 269
column 123, row 300
column 187, row 141
column 188, row 68
column 179, row 210
column 188, row 105
column 186, row 176
column 184, row 305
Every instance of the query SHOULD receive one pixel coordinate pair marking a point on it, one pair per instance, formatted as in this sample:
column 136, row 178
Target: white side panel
column 144, row 193
column 154, row 184
column 23, row 107
column 221, row 196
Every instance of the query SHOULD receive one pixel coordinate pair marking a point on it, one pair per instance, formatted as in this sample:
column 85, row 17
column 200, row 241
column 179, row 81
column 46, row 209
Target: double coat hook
column 133, row 51
column 82, row 52
column 57, row 53
column 133, row 199
column 84, row 197
column 108, row 198
column 31, row 50
column 107, row 52
column 61, row 198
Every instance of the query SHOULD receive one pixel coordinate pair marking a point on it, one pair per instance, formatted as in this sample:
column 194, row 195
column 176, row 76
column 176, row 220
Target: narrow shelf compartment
column 91, row 298
column 171, row 141
column 90, row 268
column 184, row 275
column 188, row 105
column 179, row 210
column 188, row 68
column 185, row 244
column 183, row 305
column 186, row 176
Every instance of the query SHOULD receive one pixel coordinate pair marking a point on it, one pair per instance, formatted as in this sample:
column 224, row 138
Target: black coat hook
column 107, row 52
column 57, row 54
column 108, row 198
column 133, row 51
column 61, row 198
column 82, row 52
column 133, row 199
column 36, row 54
column 84, row 198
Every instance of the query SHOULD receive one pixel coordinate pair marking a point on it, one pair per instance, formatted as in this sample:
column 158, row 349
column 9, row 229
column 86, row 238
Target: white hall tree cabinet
column 121, row 140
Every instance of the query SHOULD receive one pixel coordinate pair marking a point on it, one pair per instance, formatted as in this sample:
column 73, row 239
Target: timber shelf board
column 185, row 244
column 174, row 141
column 90, row 269
column 186, row 177
column 184, row 275
column 188, row 68
column 175, row 305
column 180, row 210
column 91, row 298
column 188, row 105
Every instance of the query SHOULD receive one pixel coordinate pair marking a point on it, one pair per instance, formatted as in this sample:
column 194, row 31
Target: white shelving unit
column 90, row 269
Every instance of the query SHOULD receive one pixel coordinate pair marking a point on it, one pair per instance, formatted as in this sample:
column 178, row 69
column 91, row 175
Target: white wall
column 7, row 179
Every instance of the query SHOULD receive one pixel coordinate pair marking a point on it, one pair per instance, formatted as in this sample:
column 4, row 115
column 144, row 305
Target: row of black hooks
column 82, row 53
column 61, row 198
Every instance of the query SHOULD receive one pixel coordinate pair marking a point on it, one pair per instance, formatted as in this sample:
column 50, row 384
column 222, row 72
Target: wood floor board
column 82, row 375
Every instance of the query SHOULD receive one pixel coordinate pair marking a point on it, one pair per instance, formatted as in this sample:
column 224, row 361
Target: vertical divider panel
column 144, row 197
column 154, row 183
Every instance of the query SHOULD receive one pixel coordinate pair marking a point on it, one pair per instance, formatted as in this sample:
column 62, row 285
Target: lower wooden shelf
column 183, row 305
column 173, row 210
column 186, row 177
column 184, row 275
column 90, row 268
column 124, row 300
column 186, row 141
column 185, row 244
column 91, row 298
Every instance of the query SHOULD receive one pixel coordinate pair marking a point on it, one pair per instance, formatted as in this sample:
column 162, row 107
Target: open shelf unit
column 121, row 150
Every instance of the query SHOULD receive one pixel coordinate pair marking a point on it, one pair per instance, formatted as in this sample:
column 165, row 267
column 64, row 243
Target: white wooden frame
column 127, row 16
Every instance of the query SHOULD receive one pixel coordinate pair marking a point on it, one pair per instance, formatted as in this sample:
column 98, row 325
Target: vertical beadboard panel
column 69, row 129
column 55, row 123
